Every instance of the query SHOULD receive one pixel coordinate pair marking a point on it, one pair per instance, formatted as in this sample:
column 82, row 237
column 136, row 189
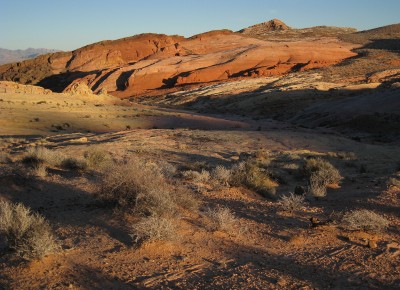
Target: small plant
column 154, row 228
column 28, row 234
column 96, row 158
column 185, row 198
column 323, row 170
column 363, row 219
column 321, row 173
column 4, row 158
column 317, row 187
column 72, row 163
column 251, row 175
column 221, row 175
column 140, row 186
column 196, row 176
column 292, row 202
column 222, row 219
column 40, row 170
column 37, row 155
column 393, row 182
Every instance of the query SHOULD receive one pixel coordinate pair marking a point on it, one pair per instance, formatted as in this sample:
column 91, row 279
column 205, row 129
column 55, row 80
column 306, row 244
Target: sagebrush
column 362, row 219
column 27, row 233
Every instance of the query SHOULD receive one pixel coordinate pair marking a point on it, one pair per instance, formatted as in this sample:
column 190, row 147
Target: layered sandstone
column 145, row 63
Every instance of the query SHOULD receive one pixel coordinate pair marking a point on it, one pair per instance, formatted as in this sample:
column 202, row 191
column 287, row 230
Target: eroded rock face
column 148, row 62
column 15, row 88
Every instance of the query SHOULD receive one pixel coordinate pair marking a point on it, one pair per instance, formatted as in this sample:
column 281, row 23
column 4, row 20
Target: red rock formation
column 148, row 62
column 272, row 25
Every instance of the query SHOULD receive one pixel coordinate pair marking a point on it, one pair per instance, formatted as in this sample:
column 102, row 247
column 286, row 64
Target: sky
column 67, row 25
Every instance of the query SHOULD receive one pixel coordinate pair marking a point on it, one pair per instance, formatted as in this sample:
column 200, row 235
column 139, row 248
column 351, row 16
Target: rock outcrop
column 15, row 88
column 272, row 25
column 147, row 63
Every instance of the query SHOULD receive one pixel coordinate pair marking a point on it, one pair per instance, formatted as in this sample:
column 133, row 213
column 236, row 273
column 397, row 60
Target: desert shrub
column 73, row 163
column 185, row 198
column 363, row 219
column 28, row 234
column 292, row 202
column 251, row 175
column 202, row 176
column 395, row 182
column 96, row 158
column 222, row 219
column 154, row 228
column 291, row 166
column 322, row 170
column 36, row 155
column 167, row 169
column 221, row 175
column 343, row 155
column 40, row 170
column 4, row 157
column 317, row 187
column 141, row 186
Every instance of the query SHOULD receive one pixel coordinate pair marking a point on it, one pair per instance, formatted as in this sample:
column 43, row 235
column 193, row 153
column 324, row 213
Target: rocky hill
column 146, row 63
column 265, row 27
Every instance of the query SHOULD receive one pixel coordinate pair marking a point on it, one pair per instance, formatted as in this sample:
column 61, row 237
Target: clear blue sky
column 69, row 24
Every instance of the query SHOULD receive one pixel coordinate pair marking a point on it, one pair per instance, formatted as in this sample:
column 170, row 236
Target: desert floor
column 268, row 247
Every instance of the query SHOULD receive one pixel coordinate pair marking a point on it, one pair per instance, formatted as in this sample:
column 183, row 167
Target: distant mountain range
column 9, row 56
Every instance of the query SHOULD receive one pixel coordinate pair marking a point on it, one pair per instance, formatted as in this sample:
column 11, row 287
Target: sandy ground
column 271, row 247
column 275, row 249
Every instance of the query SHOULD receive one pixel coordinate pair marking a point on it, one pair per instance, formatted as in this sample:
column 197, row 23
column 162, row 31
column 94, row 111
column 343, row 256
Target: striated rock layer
column 146, row 63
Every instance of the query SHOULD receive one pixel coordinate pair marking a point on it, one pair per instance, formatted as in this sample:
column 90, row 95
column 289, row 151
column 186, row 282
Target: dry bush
column 317, row 187
column 141, row 186
column 323, row 170
column 393, row 182
column 37, row 155
column 222, row 219
column 40, row 170
column 185, row 198
column 4, row 157
column 343, row 155
column 292, row 202
column 97, row 158
column 167, row 169
column 73, row 163
column 154, row 228
column 366, row 220
column 196, row 176
column 250, row 174
column 26, row 233
column 221, row 175
column 291, row 166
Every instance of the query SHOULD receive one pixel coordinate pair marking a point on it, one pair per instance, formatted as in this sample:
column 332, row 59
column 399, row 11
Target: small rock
column 372, row 244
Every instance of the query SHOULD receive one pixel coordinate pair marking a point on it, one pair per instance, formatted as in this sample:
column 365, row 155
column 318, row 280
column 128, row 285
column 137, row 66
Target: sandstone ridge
column 148, row 63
